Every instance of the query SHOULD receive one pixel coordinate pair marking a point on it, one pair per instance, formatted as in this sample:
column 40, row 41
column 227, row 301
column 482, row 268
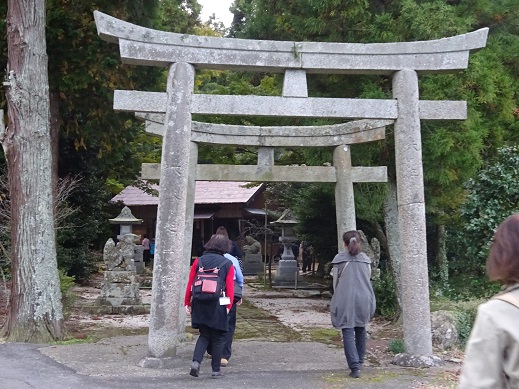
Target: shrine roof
column 206, row 192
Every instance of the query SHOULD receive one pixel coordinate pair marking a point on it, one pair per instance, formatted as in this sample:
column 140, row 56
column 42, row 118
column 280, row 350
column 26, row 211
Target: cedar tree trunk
column 35, row 304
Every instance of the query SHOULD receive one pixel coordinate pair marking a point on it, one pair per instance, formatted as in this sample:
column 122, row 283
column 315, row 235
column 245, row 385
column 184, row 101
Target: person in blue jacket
column 238, row 294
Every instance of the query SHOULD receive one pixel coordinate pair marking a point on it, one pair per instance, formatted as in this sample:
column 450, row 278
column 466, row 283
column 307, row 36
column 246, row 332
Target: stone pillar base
column 287, row 271
column 417, row 360
column 163, row 363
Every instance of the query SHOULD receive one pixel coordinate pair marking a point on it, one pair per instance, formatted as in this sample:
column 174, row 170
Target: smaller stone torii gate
column 181, row 53
column 339, row 136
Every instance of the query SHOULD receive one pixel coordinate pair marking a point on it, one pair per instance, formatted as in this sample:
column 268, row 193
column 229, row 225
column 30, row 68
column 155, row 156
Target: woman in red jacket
column 210, row 317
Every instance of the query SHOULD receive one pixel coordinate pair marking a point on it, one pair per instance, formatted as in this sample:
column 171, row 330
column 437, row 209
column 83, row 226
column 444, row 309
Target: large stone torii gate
column 182, row 53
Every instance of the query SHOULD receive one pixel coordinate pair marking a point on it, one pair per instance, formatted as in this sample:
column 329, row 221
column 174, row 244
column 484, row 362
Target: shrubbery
column 385, row 292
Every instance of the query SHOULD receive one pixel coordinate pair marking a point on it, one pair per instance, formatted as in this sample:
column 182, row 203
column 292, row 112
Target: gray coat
column 492, row 352
column 353, row 302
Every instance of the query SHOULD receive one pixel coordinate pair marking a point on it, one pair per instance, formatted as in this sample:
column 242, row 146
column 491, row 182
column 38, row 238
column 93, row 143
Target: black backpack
column 208, row 284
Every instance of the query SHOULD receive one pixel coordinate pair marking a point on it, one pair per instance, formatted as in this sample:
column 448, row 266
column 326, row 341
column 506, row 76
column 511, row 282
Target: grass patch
column 93, row 333
column 396, row 346
column 255, row 323
column 324, row 335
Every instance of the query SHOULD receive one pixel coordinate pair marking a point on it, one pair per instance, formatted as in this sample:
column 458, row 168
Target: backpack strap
column 509, row 298
column 200, row 265
column 336, row 276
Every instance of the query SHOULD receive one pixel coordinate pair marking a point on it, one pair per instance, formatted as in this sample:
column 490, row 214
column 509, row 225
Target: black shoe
column 217, row 374
column 195, row 368
column 355, row 374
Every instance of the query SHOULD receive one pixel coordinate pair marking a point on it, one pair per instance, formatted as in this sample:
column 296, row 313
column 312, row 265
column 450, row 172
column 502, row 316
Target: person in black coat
column 210, row 317
column 235, row 249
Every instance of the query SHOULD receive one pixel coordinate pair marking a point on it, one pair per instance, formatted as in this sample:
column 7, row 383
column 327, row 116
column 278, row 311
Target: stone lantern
column 125, row 220
column 287, row 269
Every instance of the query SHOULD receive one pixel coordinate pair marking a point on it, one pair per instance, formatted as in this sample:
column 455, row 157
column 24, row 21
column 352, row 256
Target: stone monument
column 287, row 270
column 372, row 250
column 120, row 284
column 252, row 258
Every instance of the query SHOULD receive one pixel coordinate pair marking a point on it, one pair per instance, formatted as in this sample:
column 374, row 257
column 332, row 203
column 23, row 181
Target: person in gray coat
column 492, row 353
column 353, row 302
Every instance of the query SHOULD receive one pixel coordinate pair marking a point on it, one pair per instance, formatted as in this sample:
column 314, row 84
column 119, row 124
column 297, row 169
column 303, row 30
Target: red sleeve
column 192, row 274
column 229, row 285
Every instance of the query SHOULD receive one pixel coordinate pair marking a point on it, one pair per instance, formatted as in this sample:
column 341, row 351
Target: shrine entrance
column 170, row 114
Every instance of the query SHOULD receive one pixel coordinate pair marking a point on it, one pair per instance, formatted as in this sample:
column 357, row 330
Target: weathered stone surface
column 104, row 307
column 411, row 215
column 250, row 173
column 304, row 293
column 120, row 256
column 136, row 101
column 287, row 271
column 294, row 83
column 138, row 259
column 170, row 261
column 372, row 249
column 121, row 291
column 125, row 277
column 161, row 363
column 444, row 331
column 345, row 212
column 139, row 45
column 117, row 302
column 416, row 360
column 252, row 263
column 356, row 131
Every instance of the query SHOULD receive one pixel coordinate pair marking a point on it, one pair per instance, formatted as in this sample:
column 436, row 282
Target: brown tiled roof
column 206, row 192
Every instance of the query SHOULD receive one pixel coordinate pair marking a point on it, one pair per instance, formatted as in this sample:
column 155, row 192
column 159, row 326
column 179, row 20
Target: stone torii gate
column 341, row 136
column 182, row 53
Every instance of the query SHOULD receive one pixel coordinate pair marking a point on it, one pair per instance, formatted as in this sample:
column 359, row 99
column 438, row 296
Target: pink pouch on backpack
column 209, row 286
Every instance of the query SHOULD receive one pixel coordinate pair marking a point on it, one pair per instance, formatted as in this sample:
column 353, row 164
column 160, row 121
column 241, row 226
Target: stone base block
column 120, row 291
column 162, row 363
column 253, row 268
column 139, row 267
column 287, row 271
column 416, row 360
column 117, row 301
column 107, row 309
column 120, row 277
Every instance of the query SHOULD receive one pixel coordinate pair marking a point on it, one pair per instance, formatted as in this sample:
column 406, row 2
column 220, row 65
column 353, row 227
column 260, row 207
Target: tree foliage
column 493, row 195
column 452, row 151
column 103, row 147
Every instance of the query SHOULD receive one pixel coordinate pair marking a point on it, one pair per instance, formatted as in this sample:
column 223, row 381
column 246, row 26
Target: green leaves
column 493, row 195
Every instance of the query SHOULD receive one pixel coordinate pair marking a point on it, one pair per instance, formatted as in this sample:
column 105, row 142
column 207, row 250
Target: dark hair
column 503, row 258
column 218, row 243
column 222, row 231
column 352, row 241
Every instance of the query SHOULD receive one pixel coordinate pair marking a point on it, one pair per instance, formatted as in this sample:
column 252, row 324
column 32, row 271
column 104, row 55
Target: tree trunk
column 35, row 304
column 443, row 264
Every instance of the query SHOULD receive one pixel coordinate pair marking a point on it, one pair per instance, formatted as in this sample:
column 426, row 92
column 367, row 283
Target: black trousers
column 215, row 338
column 146, row 256
column 227, row 344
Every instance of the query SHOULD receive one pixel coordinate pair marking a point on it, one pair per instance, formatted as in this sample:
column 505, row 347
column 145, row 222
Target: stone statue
column 372, row 250
column 120, row 256
column 253, row 246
